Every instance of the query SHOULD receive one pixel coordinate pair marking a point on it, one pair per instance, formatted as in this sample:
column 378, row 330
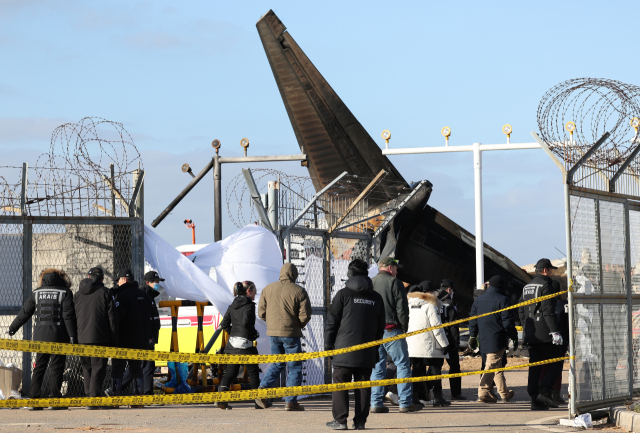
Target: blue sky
column 178, row 75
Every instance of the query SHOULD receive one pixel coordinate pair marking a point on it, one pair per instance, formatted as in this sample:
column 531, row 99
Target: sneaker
column 413, row 408
column 458, row 397
column 358, row 425
column 392, row 398
column 536, row 405
column 379, row 409
column 294, row 407
column 335, row 425
column 108, row 392
column 546, row 400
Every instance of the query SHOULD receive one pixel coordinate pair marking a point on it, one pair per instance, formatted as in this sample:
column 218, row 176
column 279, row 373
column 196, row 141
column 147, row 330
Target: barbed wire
column 69, row 180
column 294, row 193
column 596, row 106
column 237, row 192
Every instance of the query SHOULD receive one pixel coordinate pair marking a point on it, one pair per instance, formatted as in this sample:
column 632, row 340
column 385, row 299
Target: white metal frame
column 477, row 149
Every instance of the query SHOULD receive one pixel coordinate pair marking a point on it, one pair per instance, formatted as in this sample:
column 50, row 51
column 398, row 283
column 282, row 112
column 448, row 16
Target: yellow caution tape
column 518, row 328
column 211, row 397
column 205, row 358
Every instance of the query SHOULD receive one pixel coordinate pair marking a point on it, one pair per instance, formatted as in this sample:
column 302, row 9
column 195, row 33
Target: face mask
column 156, row 287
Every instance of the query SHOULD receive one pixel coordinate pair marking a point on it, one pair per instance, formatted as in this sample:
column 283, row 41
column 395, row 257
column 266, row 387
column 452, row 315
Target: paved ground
column 460, row 417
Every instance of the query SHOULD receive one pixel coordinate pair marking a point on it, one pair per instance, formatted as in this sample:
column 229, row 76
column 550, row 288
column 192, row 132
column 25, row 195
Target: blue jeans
column 399, row 353
column 280, row 346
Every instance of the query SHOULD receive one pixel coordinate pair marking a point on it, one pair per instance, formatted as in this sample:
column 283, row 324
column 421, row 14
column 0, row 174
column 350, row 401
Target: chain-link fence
column 322, row 260
column 30, row 245
column 605, row 251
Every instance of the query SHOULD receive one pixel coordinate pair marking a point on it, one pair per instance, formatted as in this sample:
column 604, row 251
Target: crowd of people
column 365, row 310
column 124, row 316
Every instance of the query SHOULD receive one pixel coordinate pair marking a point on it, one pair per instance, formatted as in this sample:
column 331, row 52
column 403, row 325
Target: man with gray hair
column 396, row 307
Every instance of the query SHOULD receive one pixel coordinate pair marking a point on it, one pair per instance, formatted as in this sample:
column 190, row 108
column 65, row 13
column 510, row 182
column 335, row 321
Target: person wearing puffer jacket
column 428, row 350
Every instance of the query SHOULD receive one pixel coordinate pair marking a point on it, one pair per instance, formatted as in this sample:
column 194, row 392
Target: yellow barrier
column 226, row 396
column 205, row 358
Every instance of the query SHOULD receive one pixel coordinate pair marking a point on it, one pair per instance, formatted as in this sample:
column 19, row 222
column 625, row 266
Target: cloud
column 16, row 130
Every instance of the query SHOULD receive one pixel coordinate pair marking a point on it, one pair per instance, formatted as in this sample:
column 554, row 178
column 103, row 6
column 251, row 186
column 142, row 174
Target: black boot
column 438, row 399
column 557, row 397
column 536, row 405
column 138, row 389
column 545, row 398
column 221, row 404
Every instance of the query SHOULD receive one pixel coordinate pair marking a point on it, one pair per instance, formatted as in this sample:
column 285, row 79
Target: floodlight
column 507, row 129
column 635, row 122
column 244, row 142
column 187, row 169
column 446, row 131
column 386, row 134
column 570, row 126
column 215, row 144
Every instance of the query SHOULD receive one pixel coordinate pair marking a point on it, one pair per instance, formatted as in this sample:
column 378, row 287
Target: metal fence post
column 27, row 276
column 217, row 199
column 627, row 276
column 572, row 340
column 139, row 206
column 326, row 261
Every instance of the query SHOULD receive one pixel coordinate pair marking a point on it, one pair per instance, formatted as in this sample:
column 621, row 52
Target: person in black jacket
column 562, row 315
column 542, row 335
column 449, row 313
column 97, row 326
column 134, row 325
column 493, row 333
column 240, row 323
column 356, row 316
column 151, row 288
column 54, row 320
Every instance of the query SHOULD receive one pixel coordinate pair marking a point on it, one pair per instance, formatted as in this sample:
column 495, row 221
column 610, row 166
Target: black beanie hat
column 496, row 281
column 427, row 286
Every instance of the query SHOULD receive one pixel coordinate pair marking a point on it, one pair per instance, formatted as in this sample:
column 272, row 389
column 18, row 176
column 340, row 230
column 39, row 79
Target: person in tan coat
column 286, row 308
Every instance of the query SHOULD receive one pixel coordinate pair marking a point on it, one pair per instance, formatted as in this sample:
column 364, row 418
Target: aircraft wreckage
column 428, row 244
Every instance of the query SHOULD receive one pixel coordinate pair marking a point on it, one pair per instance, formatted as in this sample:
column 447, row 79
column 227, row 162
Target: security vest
column 532, row 291
column 539, row 319
column 445, row 312
column 48, row 306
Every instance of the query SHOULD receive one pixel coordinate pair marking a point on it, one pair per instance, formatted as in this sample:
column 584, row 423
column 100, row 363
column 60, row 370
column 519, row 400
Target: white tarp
column 235, row 259
column 250, row 254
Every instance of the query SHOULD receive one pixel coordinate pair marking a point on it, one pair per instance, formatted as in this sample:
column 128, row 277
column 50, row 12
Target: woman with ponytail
column 240, row 323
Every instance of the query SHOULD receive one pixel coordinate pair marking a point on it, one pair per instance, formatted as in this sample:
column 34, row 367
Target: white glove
column 557, row 338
